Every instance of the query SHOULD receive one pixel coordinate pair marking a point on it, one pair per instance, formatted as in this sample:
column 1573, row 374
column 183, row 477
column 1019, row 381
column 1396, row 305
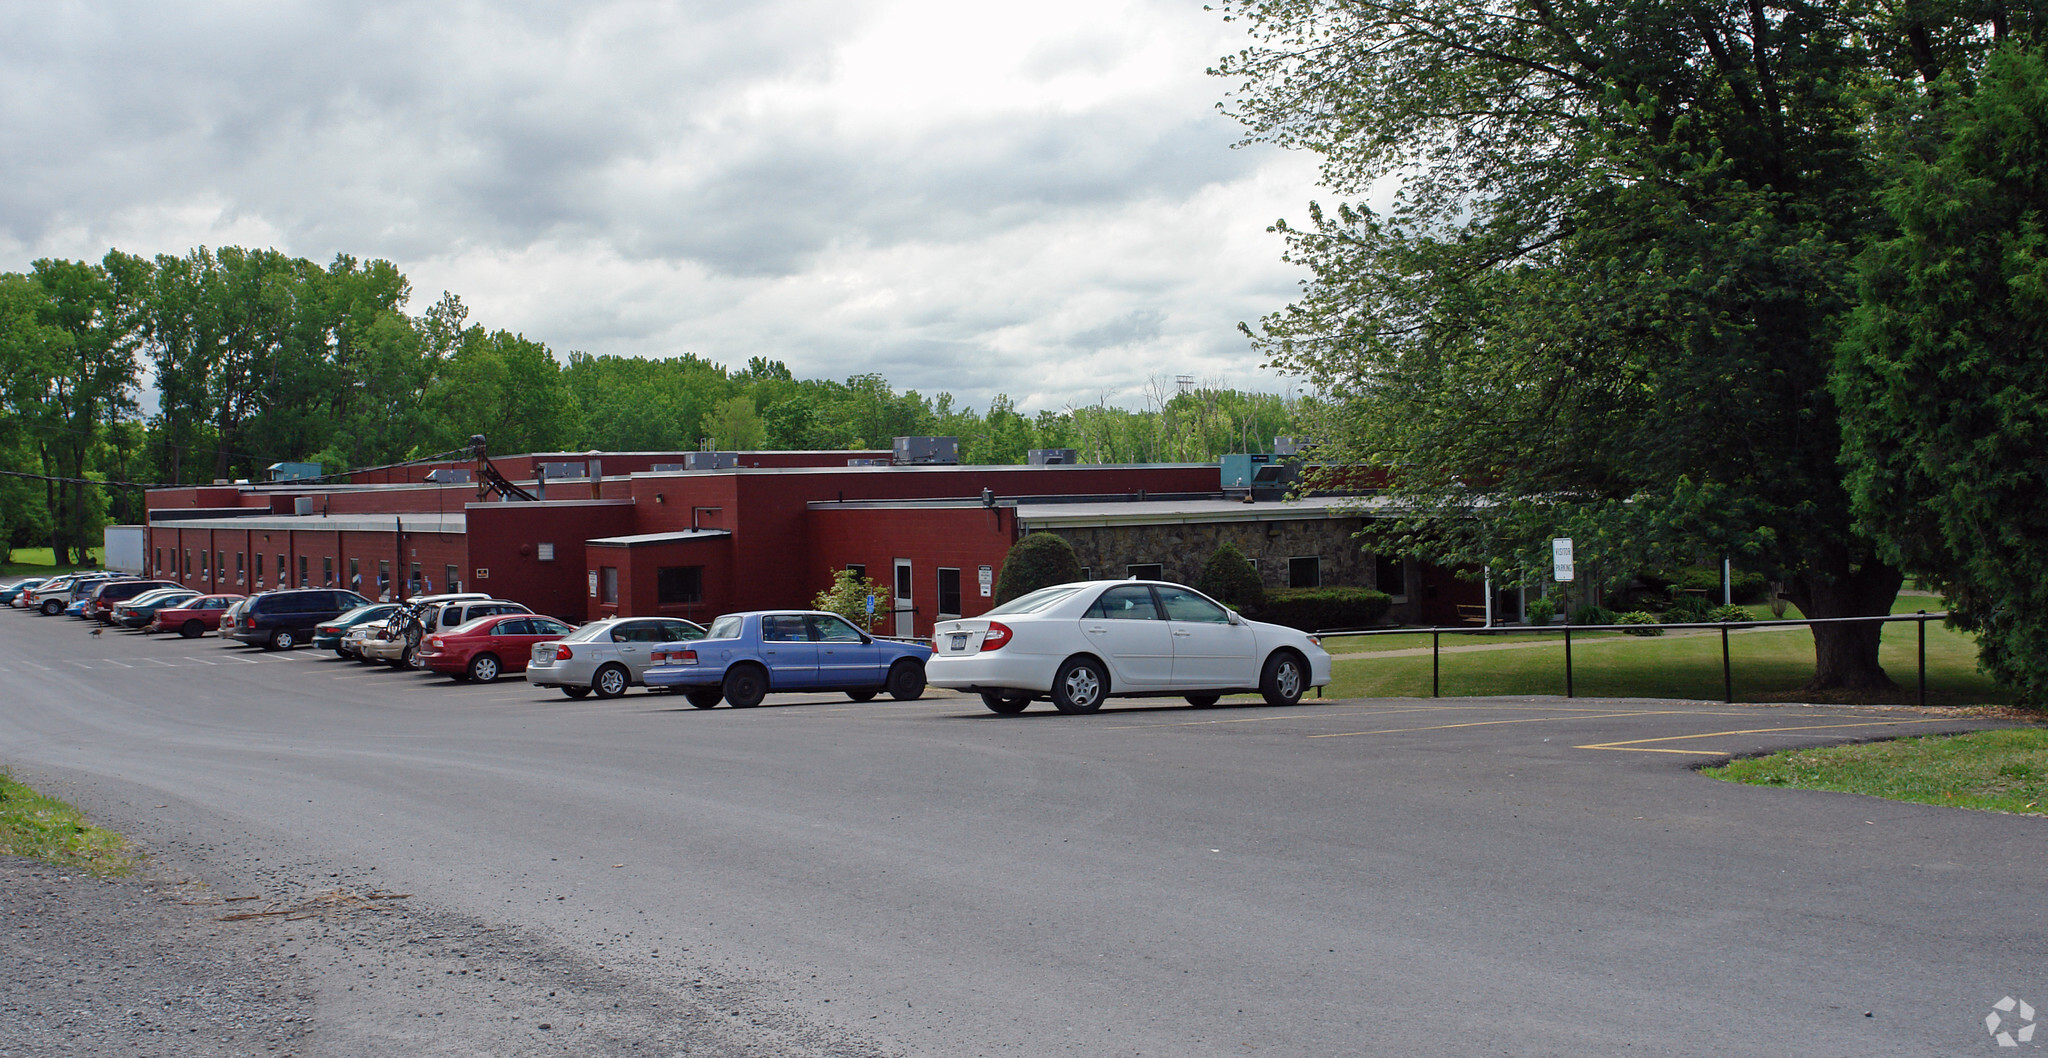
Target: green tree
column 78, row 380
column 849, row 597
column 1037, row 561
column 1943, row 376
column 1608, row 290
column 735, row 426
column 1228, row 577
column 506, row 387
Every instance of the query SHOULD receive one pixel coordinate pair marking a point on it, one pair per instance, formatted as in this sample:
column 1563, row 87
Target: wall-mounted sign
column 988, row 581
column 546, row 552
column 593, row 584
column 483, row 574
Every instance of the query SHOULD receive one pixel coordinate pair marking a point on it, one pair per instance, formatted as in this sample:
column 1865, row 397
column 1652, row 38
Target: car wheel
column 906, row 681
column 611, row 681
column 745, row 686
column 483, row 668
column 706, row 699
column 1080, row 686
column 865, row 694
column 1006, row 704
column 192, row 630
column 52, row 608
column 575, row 692
column 340, row 653
column 1284, row 680
column 283, row 639
column 1203, row 701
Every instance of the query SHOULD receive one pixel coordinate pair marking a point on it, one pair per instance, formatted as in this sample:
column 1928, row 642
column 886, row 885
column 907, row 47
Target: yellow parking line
column 1635, row 745
column 1490, row 723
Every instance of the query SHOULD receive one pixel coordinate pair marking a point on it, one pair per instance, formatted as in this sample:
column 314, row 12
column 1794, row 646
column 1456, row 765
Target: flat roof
column 340, row 523
column 644, row 539
column 1167, row 512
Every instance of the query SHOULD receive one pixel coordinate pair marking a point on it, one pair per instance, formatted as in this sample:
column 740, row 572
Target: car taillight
column 249, row 621
column 435, row 642
column 562, row 653
column 998, row 634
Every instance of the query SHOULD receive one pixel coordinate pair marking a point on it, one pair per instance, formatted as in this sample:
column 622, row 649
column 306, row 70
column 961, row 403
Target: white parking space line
column 80, row 664
column 124, row 665
column 202, row 661
column 33, row 665
column 159, row 661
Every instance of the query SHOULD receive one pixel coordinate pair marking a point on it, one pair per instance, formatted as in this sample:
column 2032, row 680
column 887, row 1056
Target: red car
column 195, row 617
column 488, row 647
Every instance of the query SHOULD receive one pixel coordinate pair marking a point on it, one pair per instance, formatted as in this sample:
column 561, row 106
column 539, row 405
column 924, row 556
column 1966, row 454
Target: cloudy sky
column 1038, row 200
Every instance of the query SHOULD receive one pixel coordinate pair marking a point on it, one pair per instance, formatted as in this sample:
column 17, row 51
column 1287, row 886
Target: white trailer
column 125, row 547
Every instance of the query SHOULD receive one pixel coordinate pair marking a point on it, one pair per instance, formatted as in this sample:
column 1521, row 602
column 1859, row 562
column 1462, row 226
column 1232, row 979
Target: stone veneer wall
column 1182, row 549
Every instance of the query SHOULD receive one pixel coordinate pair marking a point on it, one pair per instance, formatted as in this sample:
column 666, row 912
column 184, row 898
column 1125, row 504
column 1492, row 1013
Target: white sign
column 1561, row 559
column 988, row 581
column 593, row 584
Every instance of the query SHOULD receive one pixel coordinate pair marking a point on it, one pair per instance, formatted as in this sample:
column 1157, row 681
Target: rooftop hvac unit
column 667, row 468
column 1240, row 469
column 558, row 471
column 870, row 462
column 710, row 460
column 302, row 505
column 916, row 451
column 293, row 471
column 1053, row 457
column 450, row 476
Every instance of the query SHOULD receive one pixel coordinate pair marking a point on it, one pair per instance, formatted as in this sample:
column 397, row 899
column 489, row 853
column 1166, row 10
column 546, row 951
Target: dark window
column 859, row 571
column 453, row 578
column 1393, row 575
column 1146, row 571
column 327, row 570
column 783, row 628
column 1126, row 602
column 903, row 581
column 1087, row 573
column 677, row 585
column 679, row 632
column 949, row 592
column 517, row 626
column 608, row 585
column 302, row 572
column 832, row 629
column 1184, row 605
column 1305, row 572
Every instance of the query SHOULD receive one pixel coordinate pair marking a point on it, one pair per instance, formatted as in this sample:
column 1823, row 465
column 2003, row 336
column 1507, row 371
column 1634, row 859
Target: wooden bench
column 1471, row 615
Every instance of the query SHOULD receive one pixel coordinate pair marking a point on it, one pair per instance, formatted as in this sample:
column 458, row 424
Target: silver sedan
column 605, row 656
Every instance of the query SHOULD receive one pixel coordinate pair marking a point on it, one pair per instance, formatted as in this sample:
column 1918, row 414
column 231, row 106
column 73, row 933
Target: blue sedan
column 745, row 656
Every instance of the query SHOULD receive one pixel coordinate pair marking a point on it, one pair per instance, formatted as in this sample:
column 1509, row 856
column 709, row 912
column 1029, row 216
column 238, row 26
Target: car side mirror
column 866, row 638
column 1234, row 618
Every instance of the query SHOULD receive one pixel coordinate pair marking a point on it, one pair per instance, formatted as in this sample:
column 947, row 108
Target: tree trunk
column 1845, row 655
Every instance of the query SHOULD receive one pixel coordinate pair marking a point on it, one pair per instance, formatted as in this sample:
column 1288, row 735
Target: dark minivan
column 118, row 591
column 281, row 620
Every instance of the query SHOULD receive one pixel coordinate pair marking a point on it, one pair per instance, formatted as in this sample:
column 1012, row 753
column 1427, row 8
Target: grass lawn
column 33, row 561
column 2002, row 771
column 47, row 829
column 1769, row 665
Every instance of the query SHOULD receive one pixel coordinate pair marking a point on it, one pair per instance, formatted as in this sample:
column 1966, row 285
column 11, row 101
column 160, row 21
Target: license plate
column 959, row 641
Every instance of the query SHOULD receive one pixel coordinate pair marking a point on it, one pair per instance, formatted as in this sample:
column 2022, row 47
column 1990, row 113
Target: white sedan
column 1081, row 643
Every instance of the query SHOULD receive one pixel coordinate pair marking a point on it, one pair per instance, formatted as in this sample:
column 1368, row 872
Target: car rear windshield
column 592, row 631
column 727, row 627
column 1037, row 600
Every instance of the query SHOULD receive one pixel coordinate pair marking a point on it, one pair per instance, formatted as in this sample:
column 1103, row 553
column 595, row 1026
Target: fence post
column 1727, row 677
column 1568, row 658
column 1921, row 624
column 1436, row 639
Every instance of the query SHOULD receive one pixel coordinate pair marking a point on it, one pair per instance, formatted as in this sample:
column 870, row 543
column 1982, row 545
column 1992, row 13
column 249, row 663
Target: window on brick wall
column 949, row 593
column 678, row 585
column 1305, row 572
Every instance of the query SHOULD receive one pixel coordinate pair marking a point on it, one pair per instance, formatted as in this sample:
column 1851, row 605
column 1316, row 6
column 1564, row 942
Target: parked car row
column 1076, row 645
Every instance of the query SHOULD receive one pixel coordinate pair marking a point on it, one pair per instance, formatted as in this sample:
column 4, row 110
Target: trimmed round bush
column 1040, row 560
column 1590, row 614
column 1643, row 618
column 1229, row 578
column 1539, row 611
column 1728, row 614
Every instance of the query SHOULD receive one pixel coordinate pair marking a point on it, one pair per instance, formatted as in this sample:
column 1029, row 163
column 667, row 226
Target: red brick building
column 769, row 530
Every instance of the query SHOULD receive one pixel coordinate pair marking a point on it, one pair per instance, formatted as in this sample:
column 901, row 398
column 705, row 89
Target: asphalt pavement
column 1388, row 877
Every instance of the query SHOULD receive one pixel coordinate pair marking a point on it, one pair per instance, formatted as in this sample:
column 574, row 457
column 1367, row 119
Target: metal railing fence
column 1436, row 634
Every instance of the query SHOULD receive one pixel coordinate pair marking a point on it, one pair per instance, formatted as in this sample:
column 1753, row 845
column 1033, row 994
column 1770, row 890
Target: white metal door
column 906, row 615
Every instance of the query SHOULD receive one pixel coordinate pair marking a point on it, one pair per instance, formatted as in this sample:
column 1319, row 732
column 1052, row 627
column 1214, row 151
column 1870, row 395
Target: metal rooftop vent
column 919, row 451
column 1053, row 457
column 710, row 460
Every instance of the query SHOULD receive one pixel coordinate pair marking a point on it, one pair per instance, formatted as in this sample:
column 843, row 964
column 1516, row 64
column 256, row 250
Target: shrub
column 1539, row 610
column 1646, row 619
column 1687, row 609
column 1230, row 579
column 1747, row 586
column 1313, row 609
column 1726, row 614
column 1591, row 614
column 1040, row 560
column 848, row 597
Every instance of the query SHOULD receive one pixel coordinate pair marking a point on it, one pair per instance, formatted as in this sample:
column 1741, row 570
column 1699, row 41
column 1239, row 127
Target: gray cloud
column 650, row 179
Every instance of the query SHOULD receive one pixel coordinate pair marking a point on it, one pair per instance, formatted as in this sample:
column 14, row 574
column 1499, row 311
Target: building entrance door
column 906, row 611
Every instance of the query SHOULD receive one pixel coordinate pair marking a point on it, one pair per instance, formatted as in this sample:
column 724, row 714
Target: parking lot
column 1402, row 877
